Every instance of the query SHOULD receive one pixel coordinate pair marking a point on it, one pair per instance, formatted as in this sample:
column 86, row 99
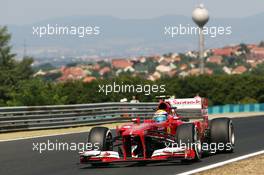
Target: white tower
column 200, row 16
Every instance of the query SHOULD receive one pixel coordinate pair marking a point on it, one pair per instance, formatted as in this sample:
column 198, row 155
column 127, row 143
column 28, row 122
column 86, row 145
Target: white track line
column 222, row 163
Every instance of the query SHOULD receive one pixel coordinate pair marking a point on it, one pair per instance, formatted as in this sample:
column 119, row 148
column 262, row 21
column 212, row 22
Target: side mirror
column 136, row 120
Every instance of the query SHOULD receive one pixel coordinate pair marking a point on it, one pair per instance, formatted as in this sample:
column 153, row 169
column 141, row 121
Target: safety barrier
column 230, row 108
column 47, row 117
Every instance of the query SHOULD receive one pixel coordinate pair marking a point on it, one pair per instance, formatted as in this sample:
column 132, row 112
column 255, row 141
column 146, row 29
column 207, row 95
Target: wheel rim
column 198, row 145
column 109, row 141
column 231, row 134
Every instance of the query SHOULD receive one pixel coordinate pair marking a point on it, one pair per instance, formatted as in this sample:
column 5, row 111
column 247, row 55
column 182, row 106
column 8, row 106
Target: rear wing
column 196, row 107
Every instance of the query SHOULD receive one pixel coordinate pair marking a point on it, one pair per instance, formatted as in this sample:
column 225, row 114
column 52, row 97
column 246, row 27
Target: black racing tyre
column 101, row 139
column 187, row 134
column 222, row 132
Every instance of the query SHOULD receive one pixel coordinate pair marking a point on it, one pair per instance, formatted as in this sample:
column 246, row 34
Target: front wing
column 166, row 154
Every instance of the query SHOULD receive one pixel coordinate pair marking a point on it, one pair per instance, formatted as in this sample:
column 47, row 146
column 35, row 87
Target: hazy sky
column 29, row 11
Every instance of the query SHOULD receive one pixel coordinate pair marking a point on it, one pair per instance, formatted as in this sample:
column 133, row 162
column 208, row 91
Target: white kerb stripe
column 222, row 163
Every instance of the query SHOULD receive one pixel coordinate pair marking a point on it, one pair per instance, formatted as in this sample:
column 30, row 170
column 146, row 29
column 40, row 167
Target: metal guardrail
column 47, row 117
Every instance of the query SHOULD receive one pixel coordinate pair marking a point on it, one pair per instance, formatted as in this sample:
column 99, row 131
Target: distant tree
column 186, row 59
column 11, row 71
column 259, row 70
column 151, row 66
column 216, row 68
column 23, row 69
column 51, row 76
column 6, row 57
column 261, row 99
column 36, row 92
column 243, row 47
column 261, row 44
column 103, row 63
column 44, row 67
column 168, row 55
column 73, row 64
column 248, row 100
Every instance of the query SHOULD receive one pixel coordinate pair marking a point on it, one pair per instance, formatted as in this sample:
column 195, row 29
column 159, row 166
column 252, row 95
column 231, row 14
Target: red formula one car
column 179, row 129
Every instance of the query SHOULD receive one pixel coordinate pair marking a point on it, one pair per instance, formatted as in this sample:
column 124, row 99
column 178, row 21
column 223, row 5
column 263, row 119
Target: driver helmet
column 160, row 116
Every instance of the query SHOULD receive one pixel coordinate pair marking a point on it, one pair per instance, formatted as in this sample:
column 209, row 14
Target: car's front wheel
column 101, row 139
column 187, row 134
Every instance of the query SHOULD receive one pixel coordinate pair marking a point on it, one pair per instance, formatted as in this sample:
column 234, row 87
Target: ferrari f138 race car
column 179, row 130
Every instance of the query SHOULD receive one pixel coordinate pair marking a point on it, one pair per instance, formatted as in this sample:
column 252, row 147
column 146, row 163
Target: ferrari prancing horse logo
column 168, row 130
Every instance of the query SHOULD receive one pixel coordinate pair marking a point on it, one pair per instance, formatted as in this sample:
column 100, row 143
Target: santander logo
column 191, row 101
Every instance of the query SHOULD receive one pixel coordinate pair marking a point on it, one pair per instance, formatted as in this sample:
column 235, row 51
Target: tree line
column 222, row 89
column 18, row 87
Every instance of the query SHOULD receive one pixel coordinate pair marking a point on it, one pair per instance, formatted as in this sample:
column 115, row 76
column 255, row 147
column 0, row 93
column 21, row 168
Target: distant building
column 72, row 73
column 227, row 51
column 155, row 76
column 172, row 73
column 104, row 70
column 129, row 69
column 209, row 71
column 155, row 58
column 96, row 67
column 176, row 58
column 89, row 79
column 191, row 54
column 183, row 74
column 227, row 70
column 183, row 67
column 165, row 61
column 196, row 71
column 216, row 59
column 239, row 70
column 251, row 46
column 257, row 53
column 39, row 73
column 142, row 59
column 119, row 71
column 121, row 63
column 163, row 69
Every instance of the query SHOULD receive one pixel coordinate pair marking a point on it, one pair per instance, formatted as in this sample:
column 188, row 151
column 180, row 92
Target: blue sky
column 29, row 11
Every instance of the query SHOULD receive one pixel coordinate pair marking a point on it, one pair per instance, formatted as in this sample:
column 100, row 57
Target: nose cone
column 137, row 129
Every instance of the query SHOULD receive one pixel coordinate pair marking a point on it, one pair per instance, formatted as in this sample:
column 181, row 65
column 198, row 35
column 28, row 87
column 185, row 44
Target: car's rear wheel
column 222, row 134
column 187, row 134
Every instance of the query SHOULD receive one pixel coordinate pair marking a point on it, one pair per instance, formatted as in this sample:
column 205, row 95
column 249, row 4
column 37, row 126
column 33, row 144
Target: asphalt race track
column 18, row 157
